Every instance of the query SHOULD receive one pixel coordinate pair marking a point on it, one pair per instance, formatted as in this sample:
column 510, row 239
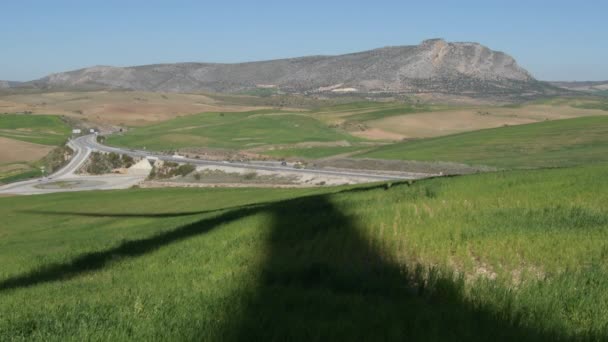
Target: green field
column 546, row 144
column 518, row 255
column 231, row 130
column 388, row 112
column 10, row 177
column 602, row 104
column 39, row 129
column 314, row 152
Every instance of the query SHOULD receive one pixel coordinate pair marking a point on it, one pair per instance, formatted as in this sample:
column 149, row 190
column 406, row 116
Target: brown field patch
column 129, row 108
column 432, row 124
column 12, row 151
column 378, row 134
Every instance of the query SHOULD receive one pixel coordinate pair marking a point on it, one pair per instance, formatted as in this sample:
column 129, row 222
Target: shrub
column 127, row 161
column 250, row 175
column 184, row 170
column 98, row 164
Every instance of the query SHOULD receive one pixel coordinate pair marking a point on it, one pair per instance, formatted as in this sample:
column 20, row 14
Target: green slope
column 39, row 129
column 231, row 130
column 314, row 152
column 368, row 263
column 546, row 144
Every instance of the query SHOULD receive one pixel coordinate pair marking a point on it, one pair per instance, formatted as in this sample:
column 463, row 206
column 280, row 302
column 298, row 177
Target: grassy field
column 603, row 104
column 518, row 255
column 38, row 129
column 396, row 111
column 22, row 174
column 231, row 130
column 265, row 128
column 124, row 108
column 26, row 140
column 547, row 144
column 314, row 152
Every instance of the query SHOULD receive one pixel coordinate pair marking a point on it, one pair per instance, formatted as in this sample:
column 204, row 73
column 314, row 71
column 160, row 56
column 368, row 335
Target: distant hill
column 434, row 66
column 589, row 86
column 8, row 84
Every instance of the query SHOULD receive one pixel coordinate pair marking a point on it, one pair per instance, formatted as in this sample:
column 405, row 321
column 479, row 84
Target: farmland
column 26, row 140
column 546, row 144
column 231, row 130
column 314, row 152
column 38, row 129
column 297, row 133
column 472, row 258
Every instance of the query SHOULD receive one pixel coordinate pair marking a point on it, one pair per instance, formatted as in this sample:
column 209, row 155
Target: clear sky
column 555, row 40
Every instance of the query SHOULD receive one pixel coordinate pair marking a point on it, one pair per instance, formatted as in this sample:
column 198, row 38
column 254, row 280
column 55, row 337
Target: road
column 66, row 179
column 91, row 143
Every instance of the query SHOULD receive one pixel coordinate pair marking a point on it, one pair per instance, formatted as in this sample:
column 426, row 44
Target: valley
column 303, row 172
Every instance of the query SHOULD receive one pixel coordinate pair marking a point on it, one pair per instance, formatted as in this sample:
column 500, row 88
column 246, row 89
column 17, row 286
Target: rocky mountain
column 433, row 66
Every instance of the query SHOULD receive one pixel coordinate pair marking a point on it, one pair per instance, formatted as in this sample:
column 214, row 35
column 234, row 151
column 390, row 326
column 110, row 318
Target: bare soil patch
column 378, row 134
column 432, row 124
column 12, row 151
column 116, row 107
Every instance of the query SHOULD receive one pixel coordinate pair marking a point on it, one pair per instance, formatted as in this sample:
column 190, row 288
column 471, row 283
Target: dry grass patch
column 115, row 107
column 432, row 124
column 20, row 151
column 378, row 134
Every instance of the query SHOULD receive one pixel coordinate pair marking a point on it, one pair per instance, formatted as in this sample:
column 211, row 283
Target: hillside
column 545, row 144
column 29, row 142
column 434, row 66
column 597, row 87
column 499, row 256
column 8, row 84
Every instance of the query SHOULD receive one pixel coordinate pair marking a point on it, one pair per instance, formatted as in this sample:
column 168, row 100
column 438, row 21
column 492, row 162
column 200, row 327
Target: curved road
column 83, row 146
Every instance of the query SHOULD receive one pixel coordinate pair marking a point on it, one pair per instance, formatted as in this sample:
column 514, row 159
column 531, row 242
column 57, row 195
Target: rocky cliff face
column 433, row 66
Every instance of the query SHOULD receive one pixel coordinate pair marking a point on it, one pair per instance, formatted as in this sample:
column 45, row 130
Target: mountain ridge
column 434, row 66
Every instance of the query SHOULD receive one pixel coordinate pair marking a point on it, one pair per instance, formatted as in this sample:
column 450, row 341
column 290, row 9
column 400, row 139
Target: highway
column 90, row 142
column 83, row 146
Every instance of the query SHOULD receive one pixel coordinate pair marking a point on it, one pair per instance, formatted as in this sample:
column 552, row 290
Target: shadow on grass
column 119, row 215
column 324, row 279
column 97, row 260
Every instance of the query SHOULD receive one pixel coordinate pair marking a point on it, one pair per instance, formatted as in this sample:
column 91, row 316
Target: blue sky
column 555, row 40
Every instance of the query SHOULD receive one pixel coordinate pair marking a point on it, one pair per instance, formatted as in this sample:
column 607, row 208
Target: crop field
column 518, row 255
column 38, row 129
column 25, row 140
column 132, row 108
column 314, row 152
column 231, row 130
column 390, row 112
column 354, row 122
column 546, row 144
column 602, row 105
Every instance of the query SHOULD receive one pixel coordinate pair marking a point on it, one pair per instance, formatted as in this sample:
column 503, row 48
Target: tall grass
column 503, row 256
